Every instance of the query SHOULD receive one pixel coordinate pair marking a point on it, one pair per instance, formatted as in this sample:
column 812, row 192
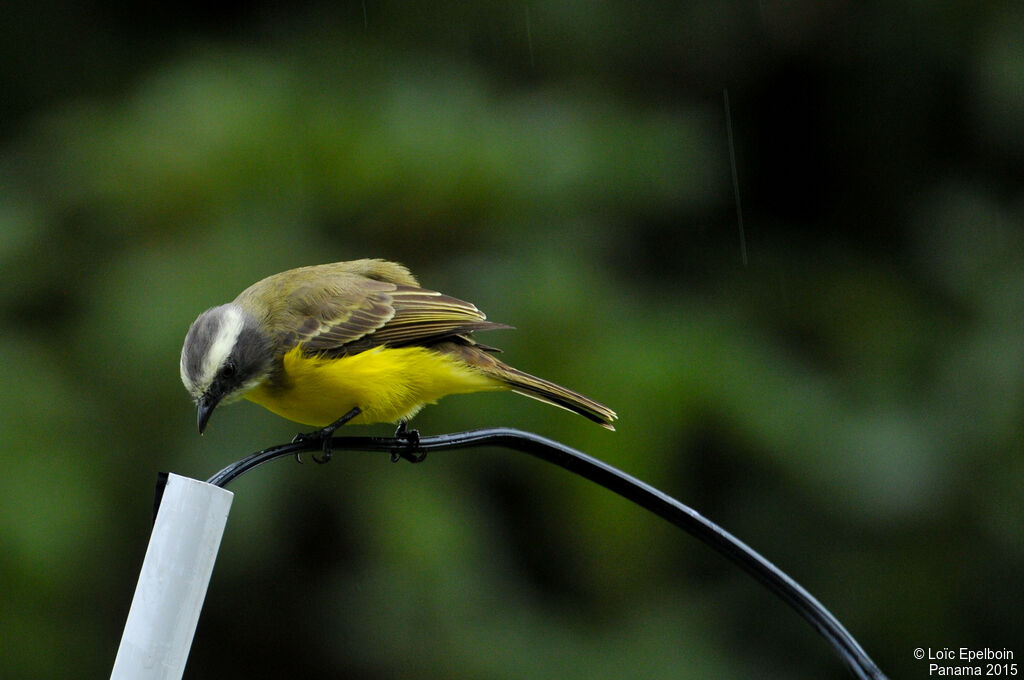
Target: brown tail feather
column 480, row 357
column 546, row 391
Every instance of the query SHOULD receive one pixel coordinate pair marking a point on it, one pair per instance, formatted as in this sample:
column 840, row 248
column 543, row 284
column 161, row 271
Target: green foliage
column 849, row 402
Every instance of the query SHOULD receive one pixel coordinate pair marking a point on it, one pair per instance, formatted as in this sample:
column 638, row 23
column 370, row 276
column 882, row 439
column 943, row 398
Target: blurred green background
column 845, row 395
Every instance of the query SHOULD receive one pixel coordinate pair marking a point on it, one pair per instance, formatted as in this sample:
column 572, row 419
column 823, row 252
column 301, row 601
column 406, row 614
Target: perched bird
column 356, row 342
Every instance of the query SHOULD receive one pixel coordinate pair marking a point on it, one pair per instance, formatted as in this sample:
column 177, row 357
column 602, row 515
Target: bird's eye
column 228, row 370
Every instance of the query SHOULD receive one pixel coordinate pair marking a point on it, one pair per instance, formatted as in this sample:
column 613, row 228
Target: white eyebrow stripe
column 231, row 322
column 189, row 385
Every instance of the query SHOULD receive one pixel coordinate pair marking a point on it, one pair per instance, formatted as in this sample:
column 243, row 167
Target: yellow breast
column 388, row 384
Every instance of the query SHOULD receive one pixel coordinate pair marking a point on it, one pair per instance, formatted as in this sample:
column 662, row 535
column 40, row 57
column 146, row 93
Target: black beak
column 204, row 409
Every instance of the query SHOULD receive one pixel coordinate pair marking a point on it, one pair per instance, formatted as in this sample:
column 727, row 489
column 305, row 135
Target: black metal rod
column 613, row 479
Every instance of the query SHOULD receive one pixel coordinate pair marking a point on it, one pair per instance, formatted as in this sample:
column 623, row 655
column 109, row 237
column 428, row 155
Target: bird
column 356, row 342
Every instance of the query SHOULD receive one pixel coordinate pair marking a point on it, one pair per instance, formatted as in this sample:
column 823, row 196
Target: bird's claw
column 323, row 436
column 410, row 451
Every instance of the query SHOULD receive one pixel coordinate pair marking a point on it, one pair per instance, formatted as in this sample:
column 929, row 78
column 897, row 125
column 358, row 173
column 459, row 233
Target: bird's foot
column 410, row 451
column 323, row 437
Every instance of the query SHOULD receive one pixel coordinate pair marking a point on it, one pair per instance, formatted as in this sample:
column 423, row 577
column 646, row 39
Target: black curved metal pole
column 613, row 479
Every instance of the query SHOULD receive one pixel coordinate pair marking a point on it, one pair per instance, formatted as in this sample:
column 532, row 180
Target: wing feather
column 350, row 307
column 379, row 314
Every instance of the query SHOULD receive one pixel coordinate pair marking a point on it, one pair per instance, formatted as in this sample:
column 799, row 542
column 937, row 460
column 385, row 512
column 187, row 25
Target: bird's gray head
column 225, row 354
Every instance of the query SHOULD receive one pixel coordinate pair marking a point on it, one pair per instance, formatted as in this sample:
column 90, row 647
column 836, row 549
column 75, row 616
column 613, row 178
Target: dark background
column 840, row 382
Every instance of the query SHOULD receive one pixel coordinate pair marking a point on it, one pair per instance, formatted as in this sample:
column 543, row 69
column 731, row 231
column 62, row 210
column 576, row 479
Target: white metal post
column 173, row 581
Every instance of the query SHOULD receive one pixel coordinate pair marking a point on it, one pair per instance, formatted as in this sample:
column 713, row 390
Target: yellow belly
column 388, row 384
